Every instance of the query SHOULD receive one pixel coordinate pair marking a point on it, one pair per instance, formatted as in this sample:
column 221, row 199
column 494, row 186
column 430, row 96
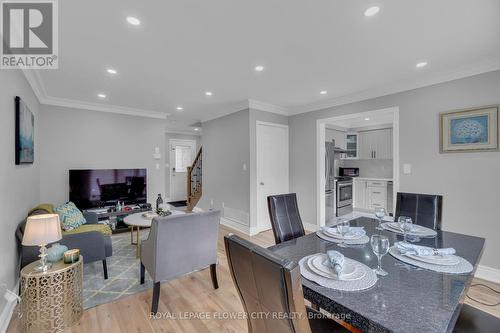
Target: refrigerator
column 331, row 171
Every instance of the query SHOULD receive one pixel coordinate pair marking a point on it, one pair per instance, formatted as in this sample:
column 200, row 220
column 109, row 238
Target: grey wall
column 470, row 182
column 83, row 139
column 168, row 167
column 370, row 168
column 19, row 185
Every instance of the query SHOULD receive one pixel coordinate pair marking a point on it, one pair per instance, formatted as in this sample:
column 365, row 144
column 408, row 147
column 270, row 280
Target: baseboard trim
column 235, row 225
column 311, row 227
column 488, row 273
column 8, row 310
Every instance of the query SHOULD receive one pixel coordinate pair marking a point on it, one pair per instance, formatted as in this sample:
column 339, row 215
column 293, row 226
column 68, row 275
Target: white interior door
column 182, row 154
column 272, row 167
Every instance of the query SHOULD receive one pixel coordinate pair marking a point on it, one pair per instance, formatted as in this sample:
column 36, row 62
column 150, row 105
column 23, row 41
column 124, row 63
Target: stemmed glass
column 380, row 246
column 406, row 225
column 380, row 214
column 343, row 228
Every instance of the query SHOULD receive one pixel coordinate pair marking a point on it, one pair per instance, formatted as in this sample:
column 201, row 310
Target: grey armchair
column 178, row 245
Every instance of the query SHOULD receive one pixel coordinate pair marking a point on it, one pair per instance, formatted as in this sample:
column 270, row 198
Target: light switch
column 406, row 169
column 244, row 167
column 157, row 166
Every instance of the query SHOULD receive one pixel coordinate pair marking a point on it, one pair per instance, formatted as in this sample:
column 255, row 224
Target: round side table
column 51, row 300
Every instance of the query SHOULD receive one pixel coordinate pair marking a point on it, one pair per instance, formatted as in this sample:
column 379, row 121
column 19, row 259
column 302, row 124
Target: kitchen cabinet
column 371, row 194
column 351, row 146
column 360, row 188
column 376, row 144
column 377, row 197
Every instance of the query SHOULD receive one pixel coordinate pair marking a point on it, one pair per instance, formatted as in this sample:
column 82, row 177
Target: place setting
column 343, row 234
column 405, row 226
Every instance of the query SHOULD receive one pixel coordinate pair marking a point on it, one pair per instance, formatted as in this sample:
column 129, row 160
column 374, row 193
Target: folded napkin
column 353, row 231
column 336, row 260
column 423, row 251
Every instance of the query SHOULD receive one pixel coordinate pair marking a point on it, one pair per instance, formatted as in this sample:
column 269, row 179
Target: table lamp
column 42, row 230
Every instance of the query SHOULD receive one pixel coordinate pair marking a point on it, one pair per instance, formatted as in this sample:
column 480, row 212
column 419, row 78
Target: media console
column 116, row 217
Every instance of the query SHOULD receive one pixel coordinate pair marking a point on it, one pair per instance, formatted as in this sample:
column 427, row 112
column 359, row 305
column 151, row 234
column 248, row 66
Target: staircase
column 194, row 182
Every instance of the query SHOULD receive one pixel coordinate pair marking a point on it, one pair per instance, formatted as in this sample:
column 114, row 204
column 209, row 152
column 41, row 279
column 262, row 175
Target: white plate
column 415, row 229
column 436, row 260
column 332, row 232
column 349, row 272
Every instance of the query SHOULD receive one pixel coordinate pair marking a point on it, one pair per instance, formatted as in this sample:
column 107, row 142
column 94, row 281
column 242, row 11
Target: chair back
column 285, row 217
column 424, row 209
column 268, row 286
column 181, row 244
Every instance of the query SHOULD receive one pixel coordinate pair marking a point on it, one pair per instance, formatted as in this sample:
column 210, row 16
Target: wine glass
column 380, row 214
column 343, row 228
column 380, row 246
column 406, row 225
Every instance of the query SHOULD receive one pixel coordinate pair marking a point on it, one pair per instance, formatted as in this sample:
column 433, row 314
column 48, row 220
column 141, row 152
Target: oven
column 344, row 190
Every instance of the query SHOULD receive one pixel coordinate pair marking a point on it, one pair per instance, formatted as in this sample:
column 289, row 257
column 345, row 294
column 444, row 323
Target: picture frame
column 469, row 130
column 25, row 133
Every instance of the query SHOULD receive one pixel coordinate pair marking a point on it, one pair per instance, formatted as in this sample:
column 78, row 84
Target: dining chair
column 270, row 289
column 285, row 217
column 474, row 320
column 178, row 245
column 424, row 209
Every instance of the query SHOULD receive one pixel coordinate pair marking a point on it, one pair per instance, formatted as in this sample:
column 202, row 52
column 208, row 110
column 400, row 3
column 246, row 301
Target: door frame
column 320, row 156
column 258, row 226
column 171, row 143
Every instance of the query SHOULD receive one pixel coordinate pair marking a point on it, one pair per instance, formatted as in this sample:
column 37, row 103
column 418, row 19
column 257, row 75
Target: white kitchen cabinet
column 360, row 194
column 351, row 146
column 376, row 144
column 377, row 197
column 370, row 194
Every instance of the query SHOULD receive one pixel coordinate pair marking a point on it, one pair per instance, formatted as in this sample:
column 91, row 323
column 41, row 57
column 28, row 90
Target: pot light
column 367, row 118
column 372, row 11
column 259, row 68
column 111, row 71
column 323, row 92
column 208, row 93
column 179, row 108
column 133, row 20
column 421, row 64
column 101, row 95
column 196, row 129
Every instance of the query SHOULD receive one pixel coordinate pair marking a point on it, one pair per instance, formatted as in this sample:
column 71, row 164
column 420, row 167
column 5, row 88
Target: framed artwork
column 25, row 133
column 471, row 130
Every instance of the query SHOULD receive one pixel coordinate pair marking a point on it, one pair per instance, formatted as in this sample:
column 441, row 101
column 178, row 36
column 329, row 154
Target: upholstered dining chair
column 285, row 217
column 270, row 289
column 424, row 209
column 178, row 245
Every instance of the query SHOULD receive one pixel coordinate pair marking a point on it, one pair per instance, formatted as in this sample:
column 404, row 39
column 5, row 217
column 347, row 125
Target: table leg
column 138, row 243
column 132, row 235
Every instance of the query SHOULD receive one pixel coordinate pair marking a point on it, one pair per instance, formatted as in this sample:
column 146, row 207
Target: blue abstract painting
column 468, row 130
column 25, row 130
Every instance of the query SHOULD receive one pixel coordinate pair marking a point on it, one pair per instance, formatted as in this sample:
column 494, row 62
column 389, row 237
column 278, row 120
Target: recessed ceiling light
column 133, row 20
column 372, row 11
column 259, row 68
column 421, row 64
column 196, row 129
column 111, row 71
column 323, row 92
column 179, row 108
column 208, row 93
column 367, row 118
column 101, row 95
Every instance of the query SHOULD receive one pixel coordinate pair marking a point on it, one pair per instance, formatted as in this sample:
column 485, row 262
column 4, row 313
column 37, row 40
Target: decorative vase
column 55, row 252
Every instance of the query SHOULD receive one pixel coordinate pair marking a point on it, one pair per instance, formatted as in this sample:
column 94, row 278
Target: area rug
column 123, row 274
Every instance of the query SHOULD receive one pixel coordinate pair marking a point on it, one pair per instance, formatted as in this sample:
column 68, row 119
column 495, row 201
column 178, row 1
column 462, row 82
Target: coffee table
column 138, row 221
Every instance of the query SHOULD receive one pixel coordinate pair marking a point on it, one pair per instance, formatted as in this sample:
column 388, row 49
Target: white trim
column 262, row 106
column 8, row 310
column 197, row 133
column 235, row 225
column 172, row 141
column 488, row 273
column 311, row 227
column 489, row 65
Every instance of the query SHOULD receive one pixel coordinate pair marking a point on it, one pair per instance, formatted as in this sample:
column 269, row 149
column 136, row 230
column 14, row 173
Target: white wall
column 470, row 182
column 19, row 185
column 83, row 139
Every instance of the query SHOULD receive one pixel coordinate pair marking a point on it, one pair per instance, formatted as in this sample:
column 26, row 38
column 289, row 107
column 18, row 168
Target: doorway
column 182, row 154
column 272, row 167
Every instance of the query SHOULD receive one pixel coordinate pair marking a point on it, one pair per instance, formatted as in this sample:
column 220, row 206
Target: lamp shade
column 42, row 229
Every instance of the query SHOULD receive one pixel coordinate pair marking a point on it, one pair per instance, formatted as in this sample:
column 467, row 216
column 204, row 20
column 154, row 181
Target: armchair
column 178, row 245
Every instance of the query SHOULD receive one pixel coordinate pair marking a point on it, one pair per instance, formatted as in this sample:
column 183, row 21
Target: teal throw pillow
column 71, row 217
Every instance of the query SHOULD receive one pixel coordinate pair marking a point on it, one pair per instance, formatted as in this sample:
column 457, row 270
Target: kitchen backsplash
column 370, row 168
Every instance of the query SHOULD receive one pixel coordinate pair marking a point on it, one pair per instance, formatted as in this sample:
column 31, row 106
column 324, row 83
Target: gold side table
column 51, row 300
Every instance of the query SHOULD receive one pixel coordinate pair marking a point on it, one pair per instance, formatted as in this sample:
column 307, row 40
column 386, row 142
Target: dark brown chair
column 270, row 289
column 424, row 209
column 285, row 217
column 474, row 320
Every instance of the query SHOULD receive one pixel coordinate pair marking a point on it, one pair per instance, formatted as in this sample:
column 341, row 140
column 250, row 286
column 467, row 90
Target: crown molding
column 489, row 65
column 262, row 106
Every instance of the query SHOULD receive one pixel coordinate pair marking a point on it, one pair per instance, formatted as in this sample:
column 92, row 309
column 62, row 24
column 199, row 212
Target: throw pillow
column 71, row 217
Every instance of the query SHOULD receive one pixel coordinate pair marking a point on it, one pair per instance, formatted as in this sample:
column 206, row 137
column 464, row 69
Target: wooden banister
column 194, row 182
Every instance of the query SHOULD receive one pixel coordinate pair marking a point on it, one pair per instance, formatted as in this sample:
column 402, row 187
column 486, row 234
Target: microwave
column 349, row 172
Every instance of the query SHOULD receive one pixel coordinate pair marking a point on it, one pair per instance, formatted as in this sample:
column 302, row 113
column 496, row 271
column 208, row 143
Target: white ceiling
column 184, row 48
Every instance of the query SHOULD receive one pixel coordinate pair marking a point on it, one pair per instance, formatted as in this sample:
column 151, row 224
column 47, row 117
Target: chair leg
column 156, row 297
column 213, row 274
column 143, row 269
column 105, row 269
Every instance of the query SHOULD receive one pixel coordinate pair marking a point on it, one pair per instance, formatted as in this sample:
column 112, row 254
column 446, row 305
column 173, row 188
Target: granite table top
column 408, row 299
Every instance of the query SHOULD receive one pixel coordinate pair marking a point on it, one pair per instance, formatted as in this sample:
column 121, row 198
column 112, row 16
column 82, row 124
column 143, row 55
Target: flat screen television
column 105, row 187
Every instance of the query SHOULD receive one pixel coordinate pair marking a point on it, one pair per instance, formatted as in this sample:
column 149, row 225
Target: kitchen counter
column 375, row 179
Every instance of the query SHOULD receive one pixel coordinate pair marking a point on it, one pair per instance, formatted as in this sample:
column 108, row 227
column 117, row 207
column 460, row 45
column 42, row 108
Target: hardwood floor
column 194, row 294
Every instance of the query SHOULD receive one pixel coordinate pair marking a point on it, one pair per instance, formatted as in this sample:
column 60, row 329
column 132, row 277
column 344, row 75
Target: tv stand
column 106, row 215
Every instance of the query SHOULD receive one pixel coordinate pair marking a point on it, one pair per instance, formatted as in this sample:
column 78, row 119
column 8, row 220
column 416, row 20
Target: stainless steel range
column 343, row 191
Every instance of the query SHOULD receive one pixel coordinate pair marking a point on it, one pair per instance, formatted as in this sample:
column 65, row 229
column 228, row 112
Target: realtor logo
column 29, row 34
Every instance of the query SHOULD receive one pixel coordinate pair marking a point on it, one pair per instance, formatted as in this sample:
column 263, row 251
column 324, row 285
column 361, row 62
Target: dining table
column 408, row 299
